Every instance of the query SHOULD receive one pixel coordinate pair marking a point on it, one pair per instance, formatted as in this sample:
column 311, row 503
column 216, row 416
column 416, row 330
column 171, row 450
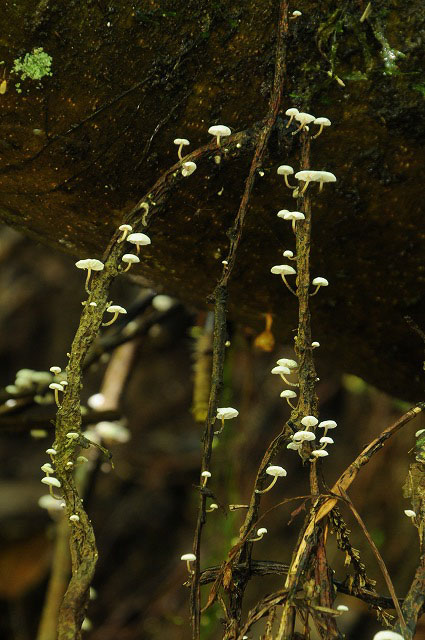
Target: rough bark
column 80, row 148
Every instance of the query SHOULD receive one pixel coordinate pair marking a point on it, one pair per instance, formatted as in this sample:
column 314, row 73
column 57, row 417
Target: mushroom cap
column 131, row 258
column 324, row 176
column 301, row 436
column 181, row 141
column 51, row 451
column 219, row 130
column 283, row 270
column 304, row 118
column 315, row 344
column 275, row 470
column 56, row 385
column 125, row 227
column 74, row 518
column 49, row 502
column 409, row 513
column 288, row 253
column 292, row 111
column 190, row 557
column 296, row 14
column 325, row 122
column 188, row 168
column 162, row 302
column 206, row 474
column 326, row 440
column 291, row 215
column 287, row 362
column 420, row 432
column 287, row 393
column 327, row 424
column 387, row 634
column 305, row 175
column 280, row 370
column 342, row 607
column 53, row 482
column 227, row 413
column 285, row 170
column 213, row 505
column 320, row 281
column 72, row 435
column 90, row 263
column 295, row 446
column 261, row 531
column 319, row 453
column 115, row 308
column 138, row 238
column 55, row 370
column 47, row 468
column 309, row 421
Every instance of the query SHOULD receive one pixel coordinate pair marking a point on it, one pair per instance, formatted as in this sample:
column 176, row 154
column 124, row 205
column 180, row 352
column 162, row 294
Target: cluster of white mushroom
column 307, row 435
column 188, row 167
column 305, row 119
column 306, row 176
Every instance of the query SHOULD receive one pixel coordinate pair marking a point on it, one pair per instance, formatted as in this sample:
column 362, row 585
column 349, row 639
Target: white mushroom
column 387, row 634
column 188, row 168
column 213, row 507
column 319, row 453
column 283, row 371
column 129, row 259
column 219, row 130
column 91, row 264
column 139, row 239
column 410, row 514
column 303, row 119
column 74, row 518
column 292, row 112
column 319, row 282
column 322, row 122
column 276, row 472
column 309, row 421
column 326, row 425
column 288, row 362
column 287, row 393
column 289, row 254
column 116, row 310
column 286, row 170
column 55, row 370
column 284, row 270
column 324, row 176
column 260, row 533
column 205, row 475
column 181, row 142
column 291, row 215
column 225, row 413
column 55, row 386
column 304, row 436
column 126, row 229
column 188, row 557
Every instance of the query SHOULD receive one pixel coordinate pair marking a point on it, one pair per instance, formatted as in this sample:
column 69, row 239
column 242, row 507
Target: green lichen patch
column 35, row 65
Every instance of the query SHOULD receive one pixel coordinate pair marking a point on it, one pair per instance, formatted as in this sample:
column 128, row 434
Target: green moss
column 35, row 65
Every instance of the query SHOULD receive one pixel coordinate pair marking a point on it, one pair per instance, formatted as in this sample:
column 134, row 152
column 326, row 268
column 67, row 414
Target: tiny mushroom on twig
column 213, row 506
column 284, row 270
column 139, row 239
column 326, row 425
column 315, row 344
column 295, row 14
column 72, row 435
column 283, row 371
column 188, row 168
column 324, row 440
column 52, row 482
column 322, row 177
column 188, row 557
column 225, row 413
column 287, row 393
column 291, row 112
column 305, row 176
column 276, row 472
column 342, row 608
column 286, row 170
column 91, row 264
column 219, row 130
column 309, row 421
column 116, row 310
column 322, row 122
column 289, row 254
column 291, row 215
column 126, row 229
column 181, row 142
column 408, row 512
column 55, row 370
column 51, row 451
column 260, row 533
column 288, row 362
column 205, row 475
column 303, row 119
column 55, row 386
column 304, row 436
column 130, row 258
column 74, row 518
column 47, row 468
column 318, row 453
column 319, row 282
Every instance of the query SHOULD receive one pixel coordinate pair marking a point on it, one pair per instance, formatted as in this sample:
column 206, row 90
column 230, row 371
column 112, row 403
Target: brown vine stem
column 220, row 310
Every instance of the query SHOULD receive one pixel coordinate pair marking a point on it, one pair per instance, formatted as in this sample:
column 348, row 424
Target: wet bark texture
column 81, row 147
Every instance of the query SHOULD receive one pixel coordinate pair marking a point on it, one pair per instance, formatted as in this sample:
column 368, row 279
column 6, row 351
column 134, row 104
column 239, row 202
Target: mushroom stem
column 123, row 237
column 290, row 120
column 287, row 183
column 300, row 128
column 217, row 433
column 211, row 509
column 127, row 267
column 316, row 290
column 114, row 317
column 218, row 140
column 288, row 286
column 189, row 568
column 304, row 187
column 319, row 132
column 88, row 280
column 290, row 403
column 53, row 494
column 291, row 384
column 57, row 398
column 260, row 537
column 272, row 483
column 179, row 152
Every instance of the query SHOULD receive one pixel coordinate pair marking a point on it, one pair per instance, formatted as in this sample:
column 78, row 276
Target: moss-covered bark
column 80, row 148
